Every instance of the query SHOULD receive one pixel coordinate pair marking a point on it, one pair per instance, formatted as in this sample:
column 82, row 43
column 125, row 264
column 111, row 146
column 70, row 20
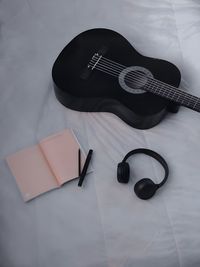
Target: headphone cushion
column 145, row 188
column 123, row 172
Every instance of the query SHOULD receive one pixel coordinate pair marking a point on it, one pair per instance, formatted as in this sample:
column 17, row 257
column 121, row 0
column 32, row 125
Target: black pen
column 85, row 167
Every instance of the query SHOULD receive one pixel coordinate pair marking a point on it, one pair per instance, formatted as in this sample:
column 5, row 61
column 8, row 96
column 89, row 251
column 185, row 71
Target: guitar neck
column 174, row 94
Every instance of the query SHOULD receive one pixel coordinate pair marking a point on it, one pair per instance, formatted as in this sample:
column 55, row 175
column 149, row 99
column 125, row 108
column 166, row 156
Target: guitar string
column 175, row 91
column 136, row 74
column 187, row 101
column 154, row 81
column 156, row 93
column 185, row 96
column 115, row 64
column 129, row 77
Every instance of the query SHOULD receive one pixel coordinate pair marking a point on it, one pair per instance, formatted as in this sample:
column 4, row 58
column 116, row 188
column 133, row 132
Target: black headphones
column 144, row 188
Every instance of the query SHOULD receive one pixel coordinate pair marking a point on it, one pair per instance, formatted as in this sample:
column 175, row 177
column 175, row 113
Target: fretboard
column 174, row 94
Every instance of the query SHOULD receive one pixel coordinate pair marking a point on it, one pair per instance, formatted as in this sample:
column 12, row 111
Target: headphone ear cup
column 123, row 172
column 145, row 188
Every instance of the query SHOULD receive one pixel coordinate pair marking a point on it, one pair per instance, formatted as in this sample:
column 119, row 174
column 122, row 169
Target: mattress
column 102, row 223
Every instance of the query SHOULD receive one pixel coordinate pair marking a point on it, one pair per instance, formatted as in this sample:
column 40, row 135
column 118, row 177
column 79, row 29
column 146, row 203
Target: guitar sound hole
column 135, row 79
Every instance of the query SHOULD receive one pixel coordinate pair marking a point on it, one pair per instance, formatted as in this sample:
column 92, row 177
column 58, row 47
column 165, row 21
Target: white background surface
column 103, row 224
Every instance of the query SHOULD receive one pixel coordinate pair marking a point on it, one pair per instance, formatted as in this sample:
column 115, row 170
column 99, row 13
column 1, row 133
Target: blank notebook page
column 61, row 152
column 32, row 173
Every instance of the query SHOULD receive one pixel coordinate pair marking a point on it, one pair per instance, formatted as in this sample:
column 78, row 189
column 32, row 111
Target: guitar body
column 95, row 91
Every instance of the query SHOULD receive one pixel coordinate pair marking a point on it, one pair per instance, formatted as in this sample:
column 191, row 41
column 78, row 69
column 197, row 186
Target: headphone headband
column 154, row 155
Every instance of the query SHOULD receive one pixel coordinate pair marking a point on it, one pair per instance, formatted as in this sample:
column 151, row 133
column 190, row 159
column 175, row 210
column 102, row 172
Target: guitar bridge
column 93, row 63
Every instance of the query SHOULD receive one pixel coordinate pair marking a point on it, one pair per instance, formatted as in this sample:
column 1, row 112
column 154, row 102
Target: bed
column 103, row 223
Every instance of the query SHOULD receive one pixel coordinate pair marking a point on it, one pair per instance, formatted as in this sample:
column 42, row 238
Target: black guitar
column 99, row 70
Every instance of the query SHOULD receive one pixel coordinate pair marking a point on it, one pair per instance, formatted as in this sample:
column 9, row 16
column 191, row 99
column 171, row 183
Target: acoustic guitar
column 100, row 71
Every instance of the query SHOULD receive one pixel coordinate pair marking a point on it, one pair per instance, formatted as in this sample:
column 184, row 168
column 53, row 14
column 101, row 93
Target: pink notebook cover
column 46, row 166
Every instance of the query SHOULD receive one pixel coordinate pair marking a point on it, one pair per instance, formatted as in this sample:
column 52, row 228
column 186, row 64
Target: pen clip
column 79, row 162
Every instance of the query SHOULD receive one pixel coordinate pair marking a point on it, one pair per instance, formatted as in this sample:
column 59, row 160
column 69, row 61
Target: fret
column 197, row 100
column 196, row 106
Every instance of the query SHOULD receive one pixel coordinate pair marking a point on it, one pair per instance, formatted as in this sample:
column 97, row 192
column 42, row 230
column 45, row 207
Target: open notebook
column 47, row 165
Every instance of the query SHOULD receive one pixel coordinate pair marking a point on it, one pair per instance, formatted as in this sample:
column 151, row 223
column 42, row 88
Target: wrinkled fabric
column 102, row 224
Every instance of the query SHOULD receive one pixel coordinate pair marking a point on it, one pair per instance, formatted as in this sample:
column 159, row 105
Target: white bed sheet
column 102, row 224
